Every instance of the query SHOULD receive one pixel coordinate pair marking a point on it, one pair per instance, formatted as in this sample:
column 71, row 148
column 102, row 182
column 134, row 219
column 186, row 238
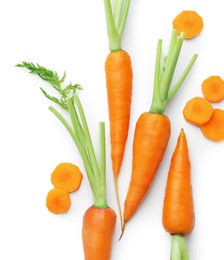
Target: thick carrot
column 152, row 130
column 213, row 88
column 178, row 208
column 198, row 111
column 151, row 137
column 118, row 71
column 190, row 22
column 97, row 233
column 58, row 201
column 66, row 176
column 99, row 221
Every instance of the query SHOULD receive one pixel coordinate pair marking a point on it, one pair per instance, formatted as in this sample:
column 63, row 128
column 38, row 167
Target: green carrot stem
column 82, row 152
column 116, row 18
column 102, row 157
column 179, row 249
column 164, row 71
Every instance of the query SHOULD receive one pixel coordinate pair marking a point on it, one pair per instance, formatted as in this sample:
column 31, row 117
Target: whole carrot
column 178, row 208
column 152, row 130
column 118, row 70
column 99, row 220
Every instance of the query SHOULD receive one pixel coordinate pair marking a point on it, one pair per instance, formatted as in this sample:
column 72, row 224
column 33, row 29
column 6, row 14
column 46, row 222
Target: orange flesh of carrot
column 118, row 71
column 150, row 141
column 189, row 22
column 58, row 201
column 97, row 233
column 213, row 89
column 197, row 111
column 178, row 209
column 214, row 129
column 66, row 176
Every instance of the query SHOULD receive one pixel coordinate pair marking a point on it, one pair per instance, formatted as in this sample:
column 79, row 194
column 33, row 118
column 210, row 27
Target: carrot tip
column 122, row 230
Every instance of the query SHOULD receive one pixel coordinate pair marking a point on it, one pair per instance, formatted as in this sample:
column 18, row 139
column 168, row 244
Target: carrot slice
column 66, row 176
column 213, row 89
column 58, row 201
column 198, row 111
column 189, row 22
column 214, row 129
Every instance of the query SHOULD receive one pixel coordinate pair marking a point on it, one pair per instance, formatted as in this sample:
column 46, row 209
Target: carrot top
column 77, row 128
column 116, row 15
column 164, row 71
column 189, row 22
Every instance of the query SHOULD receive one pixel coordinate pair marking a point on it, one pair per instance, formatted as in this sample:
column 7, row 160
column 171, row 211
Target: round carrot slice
column 58, row 201
column 213, row 89
column 189, row 22
column 214, row 129
column 66, row 176
column 198, row 111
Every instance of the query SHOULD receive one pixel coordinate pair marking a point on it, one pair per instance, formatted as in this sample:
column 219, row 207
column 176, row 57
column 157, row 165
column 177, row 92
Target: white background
column 71, row 35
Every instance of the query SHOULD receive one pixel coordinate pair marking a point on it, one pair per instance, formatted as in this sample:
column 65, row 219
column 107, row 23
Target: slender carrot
column 198, row 111
column 118, row 70
column 66, row 176
column 178, row 207
column 152, row 130
column 214, row 128
column 58, row 201
column 213, row 88
column 99, row 221
column 190, row 22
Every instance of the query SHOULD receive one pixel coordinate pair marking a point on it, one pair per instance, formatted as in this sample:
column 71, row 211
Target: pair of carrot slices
column 66, row 178
column 200, row 112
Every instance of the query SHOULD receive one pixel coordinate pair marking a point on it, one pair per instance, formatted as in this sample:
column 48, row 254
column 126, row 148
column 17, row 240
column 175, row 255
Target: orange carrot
column 97, row 233
column 58, row 201
column 151, row 137
column 214, row 129
column 152, row 130
column 178, row 208
column 99, row 220
column 197, row 111
column 189, row 22
column 118, row 71
column 66, row 176
column 213, row 89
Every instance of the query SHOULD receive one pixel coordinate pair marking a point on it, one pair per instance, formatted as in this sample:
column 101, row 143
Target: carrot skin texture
column 178, row 209
column 151, row 137
column 97, row 233
column 118, row 70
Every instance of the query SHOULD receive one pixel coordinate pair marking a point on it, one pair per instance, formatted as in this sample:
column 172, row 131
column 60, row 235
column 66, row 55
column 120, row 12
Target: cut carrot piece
column 198, row 111
column 214, row 129
column 213, row 89
column 58, row 201
column 189, row 22
column 66, row 176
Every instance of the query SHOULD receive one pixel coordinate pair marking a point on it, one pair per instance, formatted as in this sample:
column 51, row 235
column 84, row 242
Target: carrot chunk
column 214, row 129
column 66, row 176
column 58, row 201
column 213, row 89
column 189, row 22
column 198, row 111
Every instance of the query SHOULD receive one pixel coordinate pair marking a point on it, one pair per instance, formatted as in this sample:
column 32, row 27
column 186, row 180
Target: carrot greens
column 164, row 71
column 77, row 127
column 116, row 15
